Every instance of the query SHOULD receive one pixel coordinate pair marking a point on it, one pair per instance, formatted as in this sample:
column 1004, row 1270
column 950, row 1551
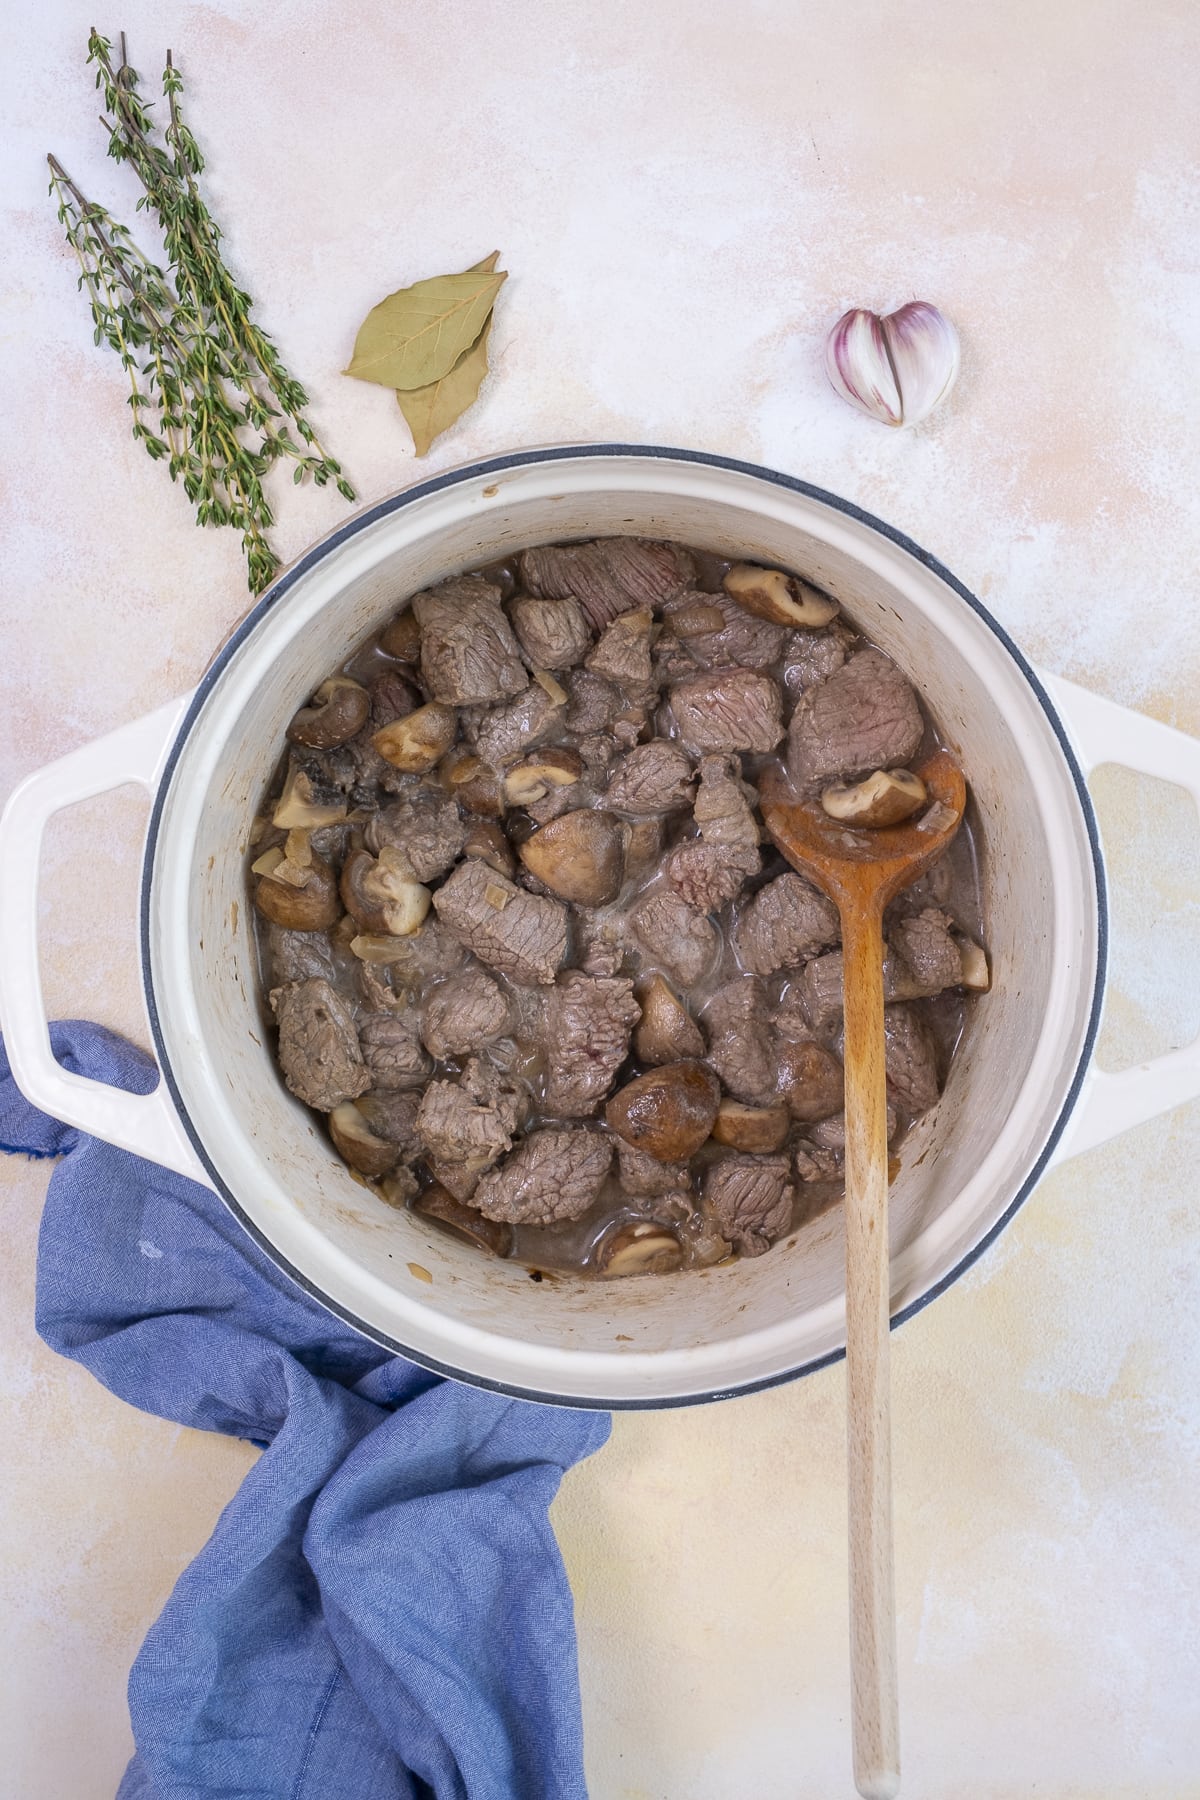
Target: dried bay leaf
column 433, row 409
column 416, row 336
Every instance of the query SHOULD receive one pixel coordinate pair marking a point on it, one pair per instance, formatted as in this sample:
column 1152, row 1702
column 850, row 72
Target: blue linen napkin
column 381, row 1612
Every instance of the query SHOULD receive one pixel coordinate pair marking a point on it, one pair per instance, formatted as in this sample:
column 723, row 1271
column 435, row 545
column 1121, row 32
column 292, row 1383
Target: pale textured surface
column 687, row 196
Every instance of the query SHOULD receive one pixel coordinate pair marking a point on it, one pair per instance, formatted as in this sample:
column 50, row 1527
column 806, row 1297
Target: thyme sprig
column 209, row 393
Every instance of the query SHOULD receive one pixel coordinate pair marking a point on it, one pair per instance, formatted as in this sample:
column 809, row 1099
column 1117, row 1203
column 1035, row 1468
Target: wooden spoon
column 861, row 870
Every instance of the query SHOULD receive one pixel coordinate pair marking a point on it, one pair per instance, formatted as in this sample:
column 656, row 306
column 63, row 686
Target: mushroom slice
column 298, row 808
column 474, row 784
column 975, row 972
column 641, row 1248
column 783, row 599
column 419, row 740
column 668, row 1112
column 382, row 893
column 464, row 1222
column 298, row 898
column 357, row 1144
column 579, row 856
column 666, row 1031
column 532, row 779
column 486, row 840
column 338, row 712
column 886, row 797
column 402, row 638
column 757, row 1129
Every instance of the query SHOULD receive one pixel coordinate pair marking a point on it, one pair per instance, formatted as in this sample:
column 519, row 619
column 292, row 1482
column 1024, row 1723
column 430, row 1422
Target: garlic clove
column 856, row 360
column 925, row 353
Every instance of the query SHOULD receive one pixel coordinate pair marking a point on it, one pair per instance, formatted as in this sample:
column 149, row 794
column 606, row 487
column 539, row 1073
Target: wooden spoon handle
column 876, row 1722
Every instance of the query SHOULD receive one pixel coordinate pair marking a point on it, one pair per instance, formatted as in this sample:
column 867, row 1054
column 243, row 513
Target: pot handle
column 147, row 1124
column 1103, row 732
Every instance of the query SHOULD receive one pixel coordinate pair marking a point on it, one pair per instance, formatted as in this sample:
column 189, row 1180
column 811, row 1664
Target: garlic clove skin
column 857, row 363
column 925, row 354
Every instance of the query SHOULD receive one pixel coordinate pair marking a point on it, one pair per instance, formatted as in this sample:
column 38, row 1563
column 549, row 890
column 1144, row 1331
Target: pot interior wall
column 664, row 1337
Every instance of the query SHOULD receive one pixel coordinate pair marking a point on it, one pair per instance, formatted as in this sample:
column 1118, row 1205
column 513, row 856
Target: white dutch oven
column 1021, row 1091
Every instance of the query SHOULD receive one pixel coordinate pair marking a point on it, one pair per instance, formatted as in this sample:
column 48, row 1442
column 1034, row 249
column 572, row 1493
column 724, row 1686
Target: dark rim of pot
column 650, row 453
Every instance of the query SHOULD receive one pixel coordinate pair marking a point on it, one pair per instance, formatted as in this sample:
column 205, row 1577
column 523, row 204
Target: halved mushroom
column 887, row 797
column 298, row 807
column 486, row 840
column 382, row 893
column 419, row 740
column 757, row 1129
column 357, row 1144
column 300, row 897
column 402, row 638
column 640, row 1248
column 464, row 1222
column 668, row 1112
column 811, row 1081
column 783, row 599
column 643, row 845
column 975, row 972
column 666, row 1032
column 532, row 779
column 579, row 856
column 338, row 712
column 473, row 783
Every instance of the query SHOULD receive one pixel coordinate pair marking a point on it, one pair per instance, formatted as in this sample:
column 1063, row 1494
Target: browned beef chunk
column 751, row 1199
column 468, row 652
column 551, row 1175
column 912, row 1080
column 708, row 875
column 470, row 1121
column 830, row 1134
column 681, row 940
column 723, row 804
column 523, row 935
column 739, row 641
column 933, row 888
column 728, row 709
column 318, row 1045
column 740, row 1049
column 391, row 1113
column 391, row 1044
column 429, row 955
column 425, row 825
column 592, row 703
column 787, row 921
column 817, row 994
column 608, row 576
column 651, row 778
column 644, row 1176
column 464, row 1013
column 588, row 1023
column 298, row 955
column 552, row 633
column 600, row 935
column 505, row 732
column 598, row 750
column 924, row 943
column 810, row 657
column 813, row 1162
column 864, row 717
column 623, row 652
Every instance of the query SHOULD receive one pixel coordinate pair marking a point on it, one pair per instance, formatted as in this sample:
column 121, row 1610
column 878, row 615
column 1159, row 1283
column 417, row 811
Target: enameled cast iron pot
column 1021, row 1090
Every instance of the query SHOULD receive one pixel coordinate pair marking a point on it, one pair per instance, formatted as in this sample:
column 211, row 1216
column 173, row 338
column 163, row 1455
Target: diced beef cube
column 623, row 652
column 728, row 709
column 818, row 992
column 553, row 634
column 464, row 1014
column 644, row 1177
column 588, row 1024
column 298, row 956
column 683, row 941
column 391, row 1114
column 523, row 935
column 504, row 733
column 608, row 576
column 468, row 652
column 864, row 717
column 751, row 1199
column 552, row 1175
column 600, row 937
column 318, row 1045
column 924, row 943
column 391, row 1045
column 706, row 876
column 740, row 1048
column 830, row 1134
column 912, row 1079
column 741, row 641
column 651, row 778
column 592, row 703
column 787, row 921
column 810, row 657
column 470, row 1121
column 722, row 809
column 813, row 1162
column 425, row 825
